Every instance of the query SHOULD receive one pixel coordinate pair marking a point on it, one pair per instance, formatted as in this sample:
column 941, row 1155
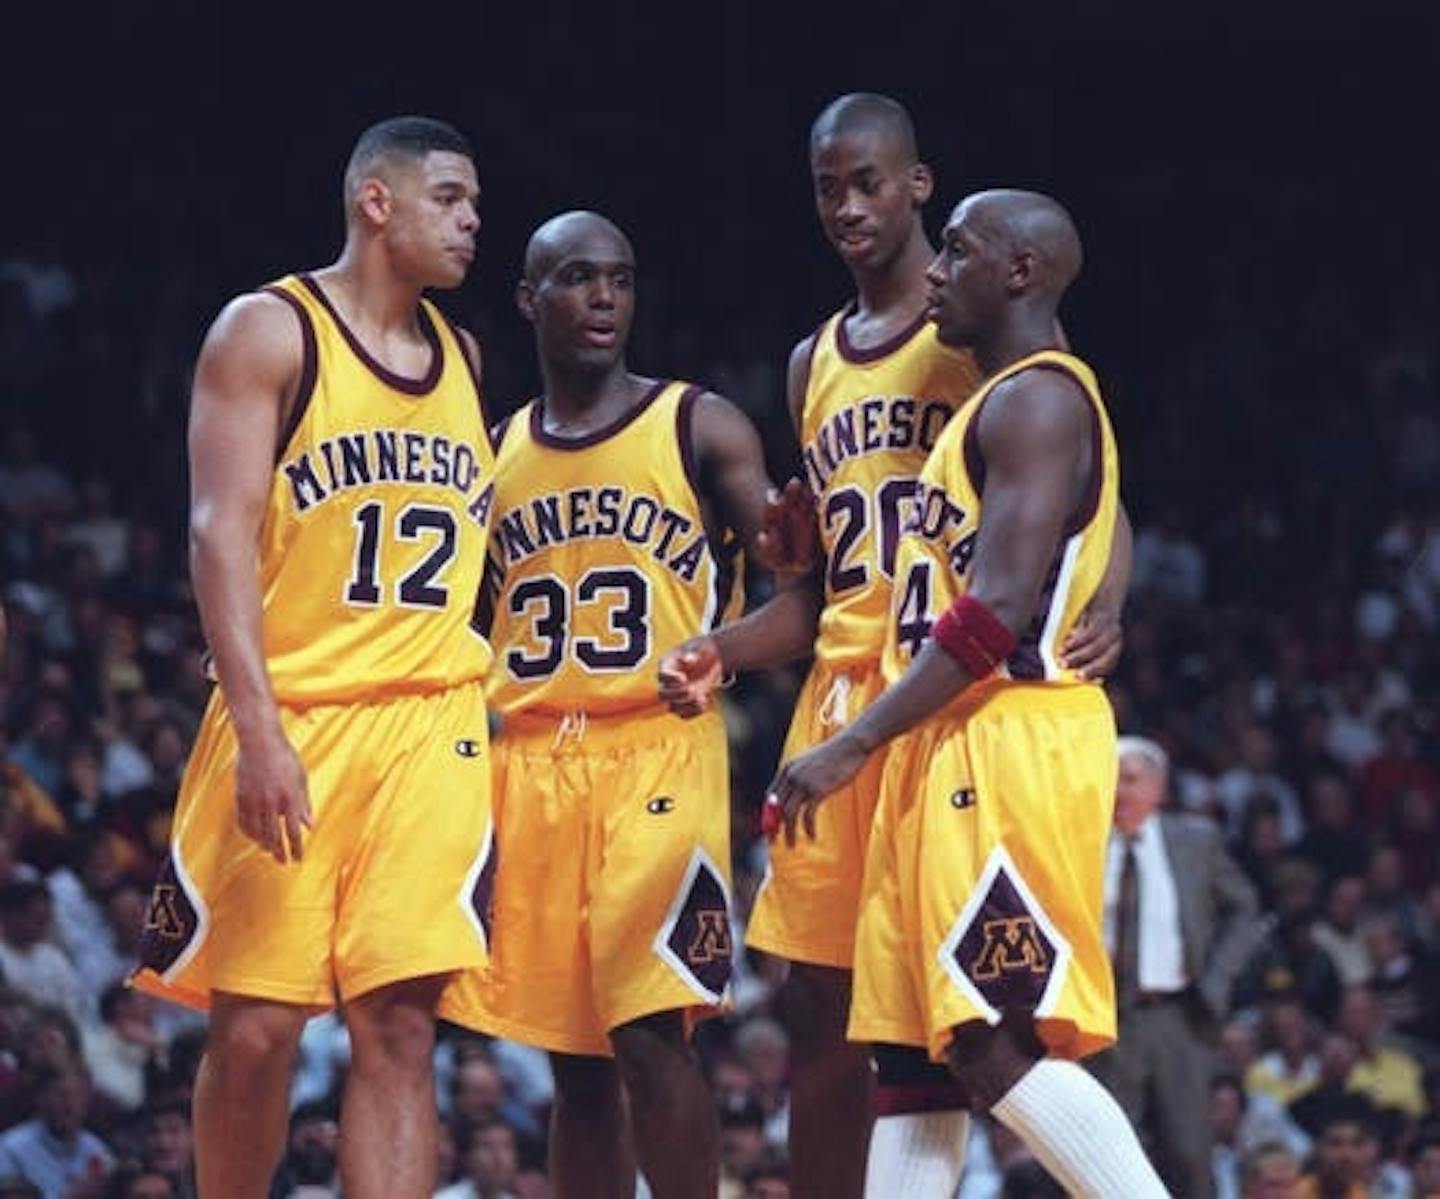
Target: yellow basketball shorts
column 810, row 898
column 983, row 883
column 394, row 880
column 612, row 891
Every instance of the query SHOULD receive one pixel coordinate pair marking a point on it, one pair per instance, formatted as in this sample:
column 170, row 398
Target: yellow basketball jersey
column 373, row 545
column 939, row 540
column 870, row 419
column 601, row 560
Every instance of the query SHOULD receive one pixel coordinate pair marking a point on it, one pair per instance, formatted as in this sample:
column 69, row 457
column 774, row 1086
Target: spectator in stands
column 29, row 963
column 311, row 1153
column 1291, row 1067
column 768, row 1178
column 1425, row 1162
column 136, row 1182
column 168, row 1145
column 1337, row 1169
column 742, row 1141
column 1339, row 933
column 489, row 1163
column 1253, row 780
column 1388, row 1075
column 121, row 1046
column 1270, row 1171
column 54, row 1150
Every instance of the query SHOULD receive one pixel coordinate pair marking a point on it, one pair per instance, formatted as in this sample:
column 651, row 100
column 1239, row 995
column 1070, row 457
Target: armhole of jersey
column 309, row 370
column 497, row 433
column 473, row 373
column 724, row 549
column 1089, row 502
column 799, row 419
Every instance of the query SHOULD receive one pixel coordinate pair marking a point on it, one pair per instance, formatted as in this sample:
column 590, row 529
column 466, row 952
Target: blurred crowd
column 1281, row 644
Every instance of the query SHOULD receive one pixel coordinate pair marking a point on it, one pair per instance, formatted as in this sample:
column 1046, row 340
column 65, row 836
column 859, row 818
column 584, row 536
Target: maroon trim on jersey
column 470, row 365
column 414, row 387
column 309, row 370
column 858, row 356
column 725, row 555
column 498, row 431
column 724, row 550
column 556, row 442
column 685, row 435
column 1025, row 662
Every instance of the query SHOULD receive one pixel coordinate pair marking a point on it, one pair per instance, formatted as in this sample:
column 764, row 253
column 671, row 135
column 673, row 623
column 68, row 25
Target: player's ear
column 922, row 184
column 525, row 300
column 374, row 200
column 1022, row 272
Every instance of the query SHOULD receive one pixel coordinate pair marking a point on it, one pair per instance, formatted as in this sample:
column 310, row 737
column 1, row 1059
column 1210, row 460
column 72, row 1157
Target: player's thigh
column 416, row 885
column 660, row 899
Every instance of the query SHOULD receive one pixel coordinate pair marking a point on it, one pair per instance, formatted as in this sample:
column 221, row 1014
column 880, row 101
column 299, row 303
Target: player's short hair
column 867, row 112
column 401, row 137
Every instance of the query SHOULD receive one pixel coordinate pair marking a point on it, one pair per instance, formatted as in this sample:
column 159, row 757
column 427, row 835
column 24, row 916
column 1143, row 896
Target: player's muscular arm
column 786, row 541
column 1034, row 438
column 245, row 382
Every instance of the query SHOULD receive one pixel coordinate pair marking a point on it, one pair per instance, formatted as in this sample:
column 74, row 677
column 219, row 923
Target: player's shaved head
column 1023, row 222
column 400, row 140
column 561, row 236
column 867, row 113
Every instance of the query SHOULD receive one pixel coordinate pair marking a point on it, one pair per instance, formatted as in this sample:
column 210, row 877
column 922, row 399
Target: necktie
column 1127, row 931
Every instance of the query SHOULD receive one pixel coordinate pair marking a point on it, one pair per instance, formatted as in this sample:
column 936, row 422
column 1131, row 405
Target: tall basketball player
column 332, row 823
column 869, row 393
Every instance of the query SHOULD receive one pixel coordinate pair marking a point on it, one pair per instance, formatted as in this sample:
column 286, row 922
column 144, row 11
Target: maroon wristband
column 974, row 636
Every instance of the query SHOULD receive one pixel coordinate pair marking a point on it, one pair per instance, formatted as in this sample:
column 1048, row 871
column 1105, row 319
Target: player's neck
column 579, row 401
column 369, row 295
column 898, row 288
column 1023, row 335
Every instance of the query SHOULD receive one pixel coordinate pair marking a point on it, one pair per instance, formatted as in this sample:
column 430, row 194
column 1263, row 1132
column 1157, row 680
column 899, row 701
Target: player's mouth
column 933, row 306
column 465, row 254
column 601, row 337
column 854, row 241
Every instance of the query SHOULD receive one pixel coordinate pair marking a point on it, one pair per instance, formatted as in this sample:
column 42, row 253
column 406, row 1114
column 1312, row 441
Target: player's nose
column 935, row 272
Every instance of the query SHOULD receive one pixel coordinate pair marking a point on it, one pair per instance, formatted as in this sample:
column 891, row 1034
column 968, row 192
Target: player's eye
column 623, row 279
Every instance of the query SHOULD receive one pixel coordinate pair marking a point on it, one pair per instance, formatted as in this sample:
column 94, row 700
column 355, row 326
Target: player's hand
column 789, row 541
column 271, row 799
column 804, row 782
column 690, row 675
column 1092, row 648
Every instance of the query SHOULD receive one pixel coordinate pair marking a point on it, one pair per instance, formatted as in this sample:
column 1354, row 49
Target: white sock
column 920, row 1154
column 1079, row 1133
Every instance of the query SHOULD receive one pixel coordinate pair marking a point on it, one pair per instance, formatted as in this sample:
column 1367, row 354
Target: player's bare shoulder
column 1035, row 405
column 257, row 342
column 797, row 379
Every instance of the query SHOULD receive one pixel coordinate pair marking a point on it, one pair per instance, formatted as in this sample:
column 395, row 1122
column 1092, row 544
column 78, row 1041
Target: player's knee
column 394, row 1026
column 587, row 1083
column 649, row 1051
column 815, row 1005
column 254, row 1039
column 988, row 1060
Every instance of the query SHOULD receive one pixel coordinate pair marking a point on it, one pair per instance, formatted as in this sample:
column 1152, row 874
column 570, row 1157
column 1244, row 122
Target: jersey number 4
column 552, row 608
column 420, row 587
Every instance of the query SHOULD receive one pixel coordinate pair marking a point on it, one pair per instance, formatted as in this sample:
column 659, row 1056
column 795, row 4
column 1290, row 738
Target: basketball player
column 869, row 393
column 979, row 933
column 334, row 816
column 620, row 501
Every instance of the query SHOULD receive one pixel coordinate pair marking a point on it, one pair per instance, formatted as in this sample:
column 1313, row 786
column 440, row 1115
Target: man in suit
column 1180, row 922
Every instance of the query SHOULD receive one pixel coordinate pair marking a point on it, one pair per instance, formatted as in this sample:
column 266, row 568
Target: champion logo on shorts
column 963, row 798
column 467, row 748
column 660, row 805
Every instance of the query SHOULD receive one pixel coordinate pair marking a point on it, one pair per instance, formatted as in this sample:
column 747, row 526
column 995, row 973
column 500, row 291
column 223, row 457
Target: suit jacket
column 1220, row 921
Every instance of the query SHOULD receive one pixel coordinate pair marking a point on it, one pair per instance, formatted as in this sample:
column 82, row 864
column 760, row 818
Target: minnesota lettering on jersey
column 940, row 520
column 872, row 425
column 598, row 513
column 374, row 456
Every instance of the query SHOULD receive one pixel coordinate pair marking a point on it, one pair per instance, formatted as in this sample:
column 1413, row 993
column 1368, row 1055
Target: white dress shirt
column 1161, row 948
